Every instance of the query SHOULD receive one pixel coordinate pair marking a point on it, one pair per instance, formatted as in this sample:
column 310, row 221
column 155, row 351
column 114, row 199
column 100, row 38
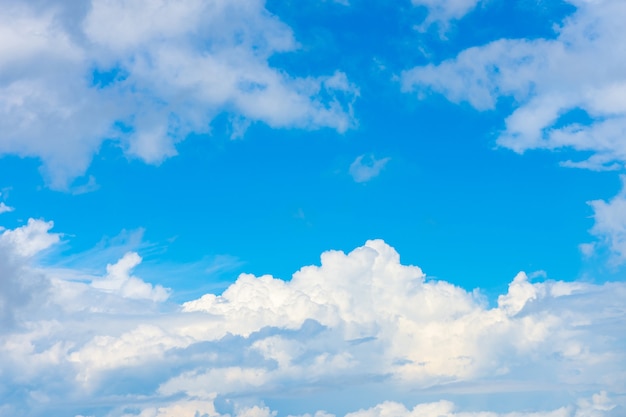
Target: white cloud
column 596, row 407
column 118, row 279
column 443, row 11
column 366, row 167
column 20, row 285
column 610, row 225
column 4, row 208
column 563, row 98
column 548, row 79
column 357, row 317
column 30, row 239
column 163, row 69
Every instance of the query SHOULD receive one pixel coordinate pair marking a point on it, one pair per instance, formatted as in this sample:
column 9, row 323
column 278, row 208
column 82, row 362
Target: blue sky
column 168, row 166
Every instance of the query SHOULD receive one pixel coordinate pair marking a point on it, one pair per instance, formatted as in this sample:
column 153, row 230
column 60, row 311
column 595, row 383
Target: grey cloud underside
column 356, row 319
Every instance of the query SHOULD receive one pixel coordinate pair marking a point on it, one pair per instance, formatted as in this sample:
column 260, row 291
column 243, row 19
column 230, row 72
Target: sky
column 312, row 208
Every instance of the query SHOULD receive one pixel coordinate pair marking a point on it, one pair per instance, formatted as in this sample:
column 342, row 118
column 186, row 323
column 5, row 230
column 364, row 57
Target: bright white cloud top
column 361, row 316
column 129, row 109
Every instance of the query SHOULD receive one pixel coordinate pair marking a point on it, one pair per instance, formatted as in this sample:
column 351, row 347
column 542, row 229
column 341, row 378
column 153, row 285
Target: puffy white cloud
column 189, row 408
column 366, row 167
column 19, row 284
column 549, row 79
column 30, row 239
column 358, row 316
column 118, row 279
column 145, row 74
column 610, row 225
column 562, row 97
column 598, row 406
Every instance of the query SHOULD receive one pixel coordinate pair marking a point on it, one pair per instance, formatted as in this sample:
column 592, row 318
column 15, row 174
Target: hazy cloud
column 366, row 167
column 444, row 11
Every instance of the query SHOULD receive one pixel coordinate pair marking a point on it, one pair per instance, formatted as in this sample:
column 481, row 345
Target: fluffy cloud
column 364, row 168
column 145, row 74
column 357, row 317
column 610, row 225
column 118, row 279
column 19, row 284
column 563, row 98
column 598, row 406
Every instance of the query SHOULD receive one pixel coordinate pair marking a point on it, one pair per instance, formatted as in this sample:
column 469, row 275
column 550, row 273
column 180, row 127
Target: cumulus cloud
column 118, row 279
column 610, row 225
column 598, row 406
column 563, row 99
column 358, row 316
column 19, row 284
column 145, row 74
column 366, row 167
column 30, row 239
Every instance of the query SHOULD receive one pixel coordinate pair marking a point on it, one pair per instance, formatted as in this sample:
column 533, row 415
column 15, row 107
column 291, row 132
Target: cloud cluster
column 563, row 98
column 145, row 74
column 113, row 339
column 610, row 226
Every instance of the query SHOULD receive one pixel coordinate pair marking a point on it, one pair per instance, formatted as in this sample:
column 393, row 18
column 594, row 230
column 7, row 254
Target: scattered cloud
column 356, row 316
column 563, row 99
column 4, row 208
column 610, row 225
column 597, row 406
column 145, row 74
column 444, row 11
column 30, row 239
column 366, row 167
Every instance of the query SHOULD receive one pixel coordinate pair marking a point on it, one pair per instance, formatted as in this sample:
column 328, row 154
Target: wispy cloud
column 4, row 208
column 366, row 167
column 443, row 11
column 610, row 225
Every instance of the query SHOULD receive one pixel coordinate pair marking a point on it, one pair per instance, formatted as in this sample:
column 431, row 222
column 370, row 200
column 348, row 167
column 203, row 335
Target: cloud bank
column 112, row 345
column 144, row 75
